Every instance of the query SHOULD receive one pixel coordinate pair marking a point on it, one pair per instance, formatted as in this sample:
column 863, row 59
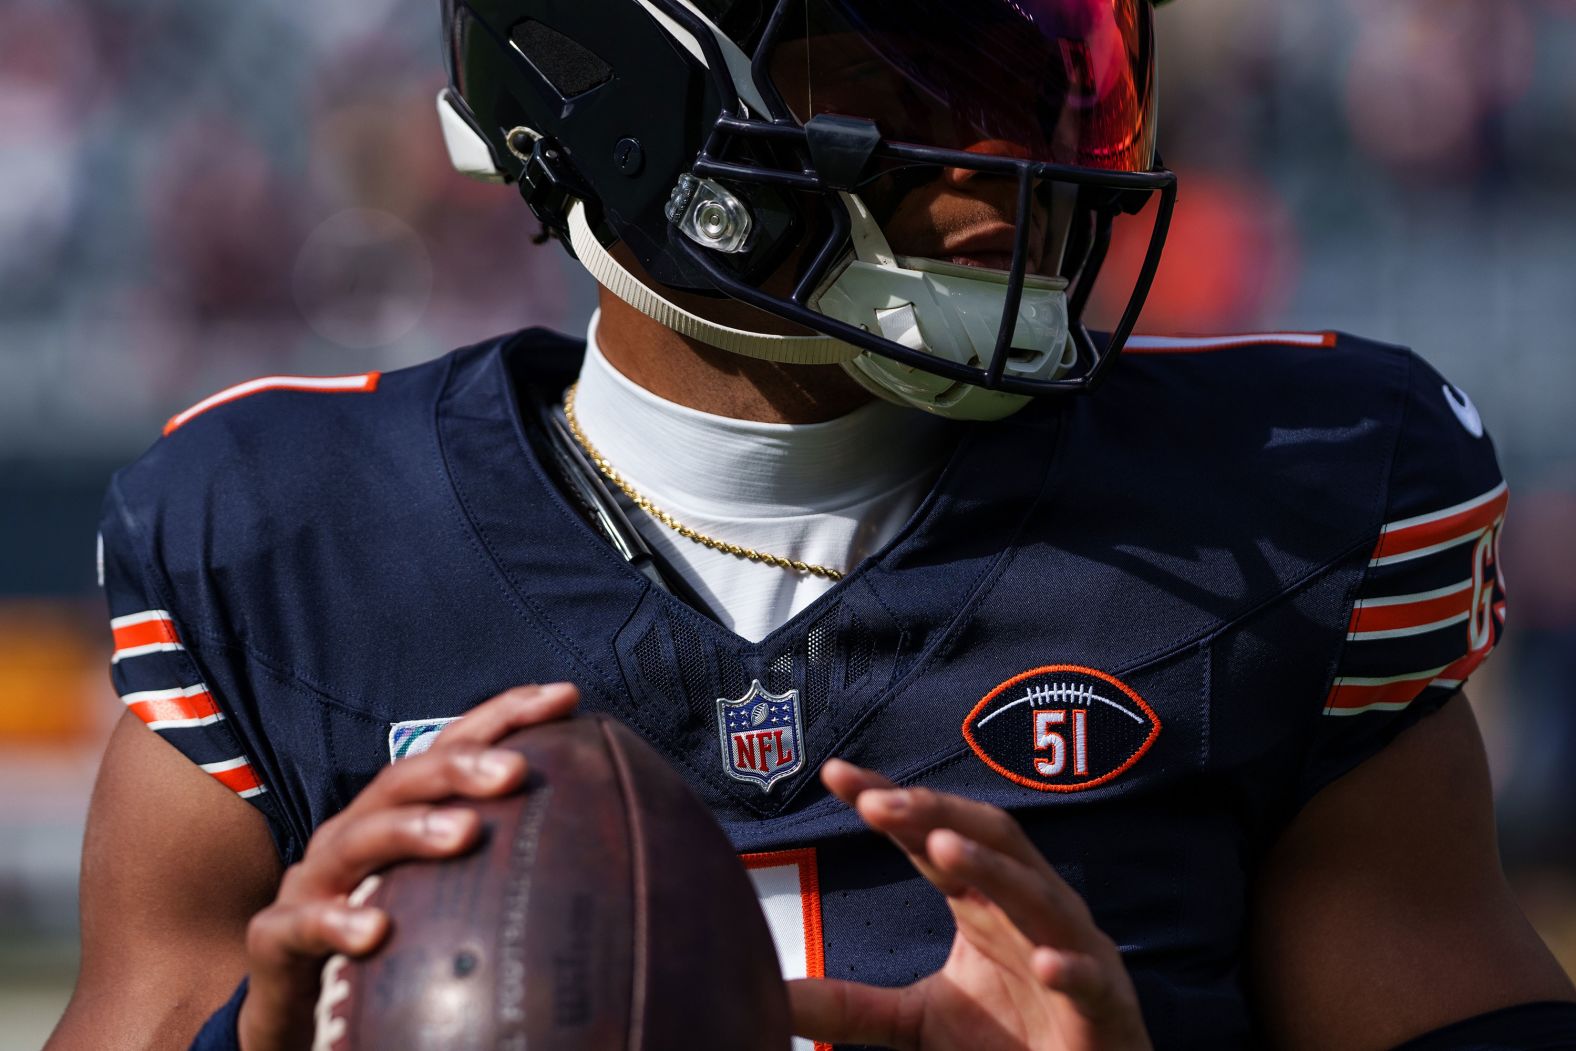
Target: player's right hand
column 405, row 812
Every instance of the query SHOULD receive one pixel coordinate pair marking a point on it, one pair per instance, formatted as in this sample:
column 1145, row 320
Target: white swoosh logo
column 1465, row 411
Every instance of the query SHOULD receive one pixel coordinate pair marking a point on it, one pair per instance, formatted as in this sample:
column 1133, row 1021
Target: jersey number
column 1050, row 736
column 1480, row 622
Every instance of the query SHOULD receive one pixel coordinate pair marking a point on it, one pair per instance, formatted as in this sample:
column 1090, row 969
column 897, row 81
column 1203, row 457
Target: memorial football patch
column 761, row 734
column 1061, row 728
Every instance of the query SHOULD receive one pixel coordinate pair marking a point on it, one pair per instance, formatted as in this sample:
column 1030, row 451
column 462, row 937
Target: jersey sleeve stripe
column 1353, row 696
column 138, row 634
column 1410, row 614
column 116, row 623
column 1407, row 630
column 1447, row 685
column 150, row 628
column 1194, row 344
column 237, row 775
column 1426, row 534
column 140, row 651
column 172, row 709
column 363, row 383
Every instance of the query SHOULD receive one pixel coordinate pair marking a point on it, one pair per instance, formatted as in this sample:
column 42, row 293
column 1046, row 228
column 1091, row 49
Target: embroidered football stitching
column 1081, row 694
column 1065, row 691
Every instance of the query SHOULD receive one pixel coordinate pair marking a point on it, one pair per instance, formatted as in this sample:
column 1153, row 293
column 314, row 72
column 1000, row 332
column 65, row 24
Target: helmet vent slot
column 564, row 63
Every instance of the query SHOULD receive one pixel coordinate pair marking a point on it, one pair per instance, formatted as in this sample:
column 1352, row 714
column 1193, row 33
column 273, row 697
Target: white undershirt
column 826, row 493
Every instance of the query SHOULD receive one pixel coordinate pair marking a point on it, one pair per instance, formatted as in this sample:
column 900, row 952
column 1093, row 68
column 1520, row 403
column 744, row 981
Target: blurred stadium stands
column 194, row 194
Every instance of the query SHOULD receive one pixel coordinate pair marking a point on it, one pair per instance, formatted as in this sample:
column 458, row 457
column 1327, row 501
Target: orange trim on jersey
column 174, row 706
column 1206, row 344
column 1348, row 696
column 153, row 628
column 810, row 901
column 363, row 383
column 236, row 775
column 1444, row 527
column 1043, row 786
column 1403, row 615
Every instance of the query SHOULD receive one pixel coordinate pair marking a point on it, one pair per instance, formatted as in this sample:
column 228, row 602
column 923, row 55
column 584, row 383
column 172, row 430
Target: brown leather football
column 604, row 911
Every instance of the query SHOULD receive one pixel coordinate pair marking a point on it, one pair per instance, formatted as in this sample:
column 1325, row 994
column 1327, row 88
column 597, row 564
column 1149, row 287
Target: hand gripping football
column 604, row 911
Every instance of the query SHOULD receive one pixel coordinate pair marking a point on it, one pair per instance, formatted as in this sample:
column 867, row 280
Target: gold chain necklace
column 674, row 524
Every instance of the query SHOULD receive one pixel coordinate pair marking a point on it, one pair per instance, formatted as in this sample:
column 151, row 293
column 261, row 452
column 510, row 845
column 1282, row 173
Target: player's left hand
column 1028, row 971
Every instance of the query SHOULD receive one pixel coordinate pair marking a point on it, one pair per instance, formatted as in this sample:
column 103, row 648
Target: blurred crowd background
column 193, row 194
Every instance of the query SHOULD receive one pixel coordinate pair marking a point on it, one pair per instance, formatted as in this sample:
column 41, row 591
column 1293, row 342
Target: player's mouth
column 990, row 248
column 984, row 260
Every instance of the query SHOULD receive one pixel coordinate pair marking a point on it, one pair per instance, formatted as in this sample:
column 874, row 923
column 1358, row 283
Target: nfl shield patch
column 762, row 736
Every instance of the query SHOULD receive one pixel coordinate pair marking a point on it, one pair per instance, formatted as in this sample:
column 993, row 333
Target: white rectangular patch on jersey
column 414, row 736
column 787, row 883
column 778, row 890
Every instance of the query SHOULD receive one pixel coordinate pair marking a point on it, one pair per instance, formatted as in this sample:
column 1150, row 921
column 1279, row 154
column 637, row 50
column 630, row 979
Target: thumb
column 836, row 1012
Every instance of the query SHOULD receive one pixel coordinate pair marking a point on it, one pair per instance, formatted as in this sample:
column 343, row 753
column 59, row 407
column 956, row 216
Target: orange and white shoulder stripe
column 1391, row 693
column 1420, row 535
column 180, row 708
column 1202, row 344
column 1398, row 616
column 361, row 383
column 136, row 634
column 237, row 775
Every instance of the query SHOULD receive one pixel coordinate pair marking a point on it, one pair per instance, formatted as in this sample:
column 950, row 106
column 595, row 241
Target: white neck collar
column 746, row 469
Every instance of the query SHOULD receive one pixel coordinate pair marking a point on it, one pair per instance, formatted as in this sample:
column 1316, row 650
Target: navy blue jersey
column 1151, row 623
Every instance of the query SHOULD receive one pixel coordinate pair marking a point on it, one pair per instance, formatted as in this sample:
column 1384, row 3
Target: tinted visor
column 1064, row 81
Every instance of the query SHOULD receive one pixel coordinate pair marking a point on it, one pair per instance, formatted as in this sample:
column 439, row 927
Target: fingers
column 1077, row 975
column 401, row 814
column 393, row 817
column 288, row 936
column 827, row 1010
column 467, row 770
column 511, row 710
column 1100, row 989
column 343, row 854
column 1046, row 912
column 960, row 844
column 910, row 814
column 462, row 762
column 285, row 946
column 845, row 780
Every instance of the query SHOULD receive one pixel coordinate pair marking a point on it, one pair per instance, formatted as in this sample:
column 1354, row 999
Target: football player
column 1148, row 699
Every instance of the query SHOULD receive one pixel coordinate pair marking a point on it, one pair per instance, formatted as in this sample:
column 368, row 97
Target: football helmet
column 784, row 152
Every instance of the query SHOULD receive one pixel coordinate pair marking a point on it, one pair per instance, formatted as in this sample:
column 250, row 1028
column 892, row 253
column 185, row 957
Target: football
column 604, row 909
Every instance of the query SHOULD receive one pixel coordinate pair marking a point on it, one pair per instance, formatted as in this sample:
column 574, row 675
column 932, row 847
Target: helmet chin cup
column 959, row 401
column 951, row 313
column 948, row 312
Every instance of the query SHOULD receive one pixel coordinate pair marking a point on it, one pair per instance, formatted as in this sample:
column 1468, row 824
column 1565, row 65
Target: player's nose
column 962, row 177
